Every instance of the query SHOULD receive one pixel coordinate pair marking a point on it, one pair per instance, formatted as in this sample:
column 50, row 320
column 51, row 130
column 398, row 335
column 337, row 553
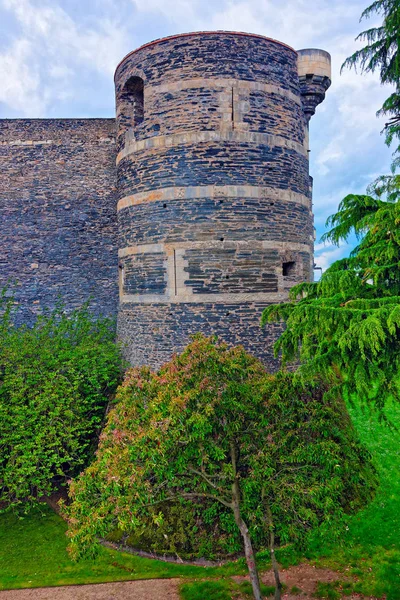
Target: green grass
column 33, row 554
column 198, row 590
column 223, row 589
column 33, row 549
column 371, row 549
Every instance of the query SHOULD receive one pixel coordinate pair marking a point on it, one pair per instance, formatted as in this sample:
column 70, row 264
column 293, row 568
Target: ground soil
column 304, row 577
column 149, row 589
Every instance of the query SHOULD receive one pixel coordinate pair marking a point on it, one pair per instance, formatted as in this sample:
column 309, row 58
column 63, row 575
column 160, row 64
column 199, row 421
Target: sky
column 57, row 59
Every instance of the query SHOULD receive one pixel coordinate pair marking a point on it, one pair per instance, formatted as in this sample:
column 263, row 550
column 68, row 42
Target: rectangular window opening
column 289, row 268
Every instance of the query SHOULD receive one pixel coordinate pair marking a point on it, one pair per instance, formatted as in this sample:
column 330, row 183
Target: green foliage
column 170, row 438
column 188, row 529
column 267, row 590
column 55, row 382
column 382, row 53
column 347, row 325
column 223, row 589
column 371, row 550
column 295, row 591
column 375, row 220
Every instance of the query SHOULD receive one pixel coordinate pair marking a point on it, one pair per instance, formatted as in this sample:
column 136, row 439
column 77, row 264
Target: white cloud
column 347, row 124
column 20, row 79
column 326, row 255
column 52, row 53
column 182, row 11
column 57, row 35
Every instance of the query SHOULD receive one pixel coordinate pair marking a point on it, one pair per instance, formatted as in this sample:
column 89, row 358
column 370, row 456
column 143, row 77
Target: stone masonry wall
column 58, row 235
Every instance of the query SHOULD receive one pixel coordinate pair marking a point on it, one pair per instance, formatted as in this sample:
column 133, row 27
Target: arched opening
column 132, row 103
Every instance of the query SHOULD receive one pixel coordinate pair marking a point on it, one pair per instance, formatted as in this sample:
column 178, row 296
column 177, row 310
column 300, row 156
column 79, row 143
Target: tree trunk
column 274, row 563
column 278, row 584
column 248, row 547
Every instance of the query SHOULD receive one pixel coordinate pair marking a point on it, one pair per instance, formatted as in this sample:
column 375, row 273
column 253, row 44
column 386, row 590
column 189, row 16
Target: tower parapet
column 314, row 77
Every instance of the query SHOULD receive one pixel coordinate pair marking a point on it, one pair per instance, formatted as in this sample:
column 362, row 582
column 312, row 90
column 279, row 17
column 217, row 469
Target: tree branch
column 206, row 479
column 188, row 495
column 204, row 495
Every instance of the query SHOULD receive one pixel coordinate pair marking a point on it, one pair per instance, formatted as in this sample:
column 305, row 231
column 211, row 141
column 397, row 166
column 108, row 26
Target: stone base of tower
column 151, row 333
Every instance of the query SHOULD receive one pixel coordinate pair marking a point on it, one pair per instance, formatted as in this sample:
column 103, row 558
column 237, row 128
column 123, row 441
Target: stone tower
column 214, row 194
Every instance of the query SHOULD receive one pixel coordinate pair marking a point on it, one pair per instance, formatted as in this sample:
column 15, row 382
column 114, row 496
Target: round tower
column 214, row 196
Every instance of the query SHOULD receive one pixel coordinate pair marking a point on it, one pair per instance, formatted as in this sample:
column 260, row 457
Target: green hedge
column 56, row 380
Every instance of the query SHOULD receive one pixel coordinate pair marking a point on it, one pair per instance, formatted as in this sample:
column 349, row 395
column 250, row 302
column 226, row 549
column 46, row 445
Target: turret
column 315, row 78
column 214, row 209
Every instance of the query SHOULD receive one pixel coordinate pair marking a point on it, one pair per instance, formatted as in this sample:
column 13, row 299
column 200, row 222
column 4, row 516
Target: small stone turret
column 315, row 78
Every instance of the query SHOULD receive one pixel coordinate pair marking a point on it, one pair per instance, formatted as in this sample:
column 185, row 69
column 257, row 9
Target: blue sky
column 57, row 59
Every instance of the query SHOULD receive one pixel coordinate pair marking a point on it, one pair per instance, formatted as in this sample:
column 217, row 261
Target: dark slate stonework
column 212, row 55
column 212, row 218
column 198, row 110
column 226, row 163
column 270, row 112
column 231, row 270
column 144, row 273
column 58, row 213
column 150, row 333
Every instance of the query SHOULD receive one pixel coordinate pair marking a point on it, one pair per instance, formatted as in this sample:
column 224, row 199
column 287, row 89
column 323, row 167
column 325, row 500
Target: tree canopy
column 279, row 458
column 346, row 326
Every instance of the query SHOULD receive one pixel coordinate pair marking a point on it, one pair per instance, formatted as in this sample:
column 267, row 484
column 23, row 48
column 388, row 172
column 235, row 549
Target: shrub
column 56, row 379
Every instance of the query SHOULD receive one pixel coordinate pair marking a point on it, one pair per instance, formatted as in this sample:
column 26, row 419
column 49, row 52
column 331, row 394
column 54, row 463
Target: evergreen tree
column 347, row 325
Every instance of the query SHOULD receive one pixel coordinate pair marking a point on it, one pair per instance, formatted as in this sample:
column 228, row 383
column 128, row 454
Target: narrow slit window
column 133, row 102
column 289, row 268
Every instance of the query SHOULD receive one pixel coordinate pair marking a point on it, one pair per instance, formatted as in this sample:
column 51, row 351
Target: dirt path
column 149, row 589
column 304, row 577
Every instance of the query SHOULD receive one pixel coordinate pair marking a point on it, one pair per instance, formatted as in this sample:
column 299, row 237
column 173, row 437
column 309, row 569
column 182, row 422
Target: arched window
column 132, row 101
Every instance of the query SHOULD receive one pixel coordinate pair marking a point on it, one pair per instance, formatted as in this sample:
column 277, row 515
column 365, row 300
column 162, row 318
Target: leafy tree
column 348, row 324
column 211, row 425
column 55, row 382
column 382, row 53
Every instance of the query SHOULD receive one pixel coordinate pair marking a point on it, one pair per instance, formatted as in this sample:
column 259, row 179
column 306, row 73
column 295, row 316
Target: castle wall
column 58, row 234
column 206, row 171
column 214, row 199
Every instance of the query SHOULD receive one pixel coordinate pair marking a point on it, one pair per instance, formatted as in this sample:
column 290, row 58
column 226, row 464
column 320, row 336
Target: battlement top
column 204, row 33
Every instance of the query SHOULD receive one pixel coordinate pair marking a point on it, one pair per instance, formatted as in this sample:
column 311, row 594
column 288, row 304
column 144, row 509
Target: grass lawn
column 33, row 549
column 33, row 554
column 371, row 548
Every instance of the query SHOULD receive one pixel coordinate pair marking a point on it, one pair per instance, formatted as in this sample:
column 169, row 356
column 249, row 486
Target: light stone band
column 228, row 298
column 214, row 191
column 208, row 244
